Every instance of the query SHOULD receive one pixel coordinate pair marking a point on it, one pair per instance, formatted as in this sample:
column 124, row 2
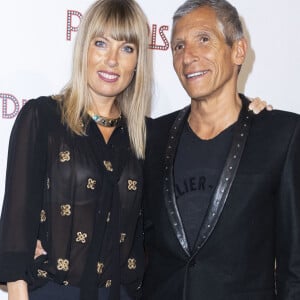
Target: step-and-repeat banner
column 37, row 37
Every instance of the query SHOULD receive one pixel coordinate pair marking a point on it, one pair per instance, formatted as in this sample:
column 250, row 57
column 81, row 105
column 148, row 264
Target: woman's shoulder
column 43, row 106
column 42, row 102
column 39, row 112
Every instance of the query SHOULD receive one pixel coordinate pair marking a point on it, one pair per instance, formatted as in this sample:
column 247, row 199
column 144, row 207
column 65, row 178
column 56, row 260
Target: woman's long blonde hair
column 124, row 20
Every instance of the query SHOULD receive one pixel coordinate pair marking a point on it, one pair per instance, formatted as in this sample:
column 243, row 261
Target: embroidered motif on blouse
column 41, row 273
column 64, row 156
column 108, row 283
column 108, row 165
column 62, row 264
column 81, row 237
column 91, row 184
column 131, row 263
column 132, row 185
column 43, row 216
column 100, row 267
column 122, row 237
column 65, row 210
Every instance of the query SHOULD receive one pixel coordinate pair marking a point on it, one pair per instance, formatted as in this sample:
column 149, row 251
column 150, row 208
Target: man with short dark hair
column 222, row 187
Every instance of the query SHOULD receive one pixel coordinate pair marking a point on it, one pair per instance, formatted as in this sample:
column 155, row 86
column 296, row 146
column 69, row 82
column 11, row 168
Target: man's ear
column 239, row 51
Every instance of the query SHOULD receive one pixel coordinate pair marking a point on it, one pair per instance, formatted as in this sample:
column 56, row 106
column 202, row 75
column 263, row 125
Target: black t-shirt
column 197, row 168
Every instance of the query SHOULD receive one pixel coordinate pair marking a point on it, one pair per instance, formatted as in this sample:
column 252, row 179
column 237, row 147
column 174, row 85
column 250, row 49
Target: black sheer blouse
column 80, row 196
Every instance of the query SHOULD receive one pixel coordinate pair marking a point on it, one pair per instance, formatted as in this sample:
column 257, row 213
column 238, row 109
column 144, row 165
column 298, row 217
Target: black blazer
column 253, row 219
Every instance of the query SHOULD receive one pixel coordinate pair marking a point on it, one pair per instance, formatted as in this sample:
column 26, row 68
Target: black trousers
column 54, row 291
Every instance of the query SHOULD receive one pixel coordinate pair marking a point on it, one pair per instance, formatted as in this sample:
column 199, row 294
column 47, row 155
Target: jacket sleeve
column 23, row 194
column 288, row 224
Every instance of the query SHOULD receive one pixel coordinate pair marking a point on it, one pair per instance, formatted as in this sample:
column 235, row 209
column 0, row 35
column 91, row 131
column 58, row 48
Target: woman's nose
column 112, row 59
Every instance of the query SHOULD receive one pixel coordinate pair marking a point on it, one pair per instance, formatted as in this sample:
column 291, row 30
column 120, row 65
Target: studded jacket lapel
column 169, row 191
column 225, row 181
column 228, row 174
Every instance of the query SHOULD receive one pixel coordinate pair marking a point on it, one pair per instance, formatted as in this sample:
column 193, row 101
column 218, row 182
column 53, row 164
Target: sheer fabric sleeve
column 25, row 176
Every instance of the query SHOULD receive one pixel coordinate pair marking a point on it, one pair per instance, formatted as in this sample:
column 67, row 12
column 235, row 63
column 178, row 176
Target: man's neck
column 210, row 116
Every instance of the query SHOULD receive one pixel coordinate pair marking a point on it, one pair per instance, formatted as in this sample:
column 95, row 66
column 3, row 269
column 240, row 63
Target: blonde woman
column 74, row 173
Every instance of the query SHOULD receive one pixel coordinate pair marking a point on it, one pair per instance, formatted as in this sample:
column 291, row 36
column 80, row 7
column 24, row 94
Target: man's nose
column 189, row 55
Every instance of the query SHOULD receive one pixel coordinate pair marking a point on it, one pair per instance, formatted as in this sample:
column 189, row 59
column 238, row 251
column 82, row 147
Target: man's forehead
column 202, row 19
column 193, row 27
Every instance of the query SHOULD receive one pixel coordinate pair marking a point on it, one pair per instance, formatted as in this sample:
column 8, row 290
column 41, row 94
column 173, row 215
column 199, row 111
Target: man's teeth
column 196, row 74
column 108, row 76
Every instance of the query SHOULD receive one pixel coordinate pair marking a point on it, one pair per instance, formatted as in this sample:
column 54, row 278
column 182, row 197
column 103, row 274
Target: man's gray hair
column 226, row 13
